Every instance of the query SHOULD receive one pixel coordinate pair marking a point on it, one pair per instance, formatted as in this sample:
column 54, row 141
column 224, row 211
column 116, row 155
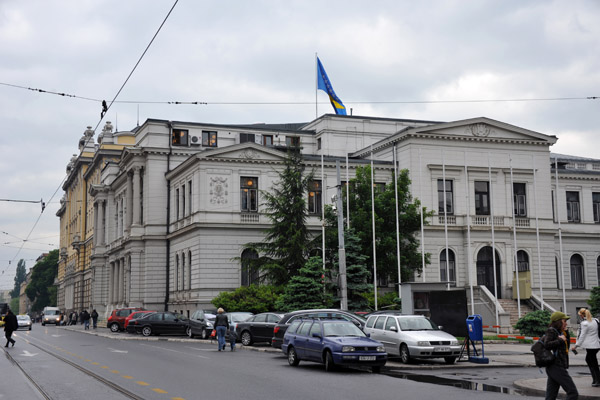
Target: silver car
column 24, row 322
column 412, row 336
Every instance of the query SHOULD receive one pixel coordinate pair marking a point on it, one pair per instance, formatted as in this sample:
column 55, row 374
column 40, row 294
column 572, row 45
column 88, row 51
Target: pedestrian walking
column 85, row 319
column 10, row 325
column 587, row 338
column 221, row 326
column 94, row 318
column 557, row 340
column 232, row 336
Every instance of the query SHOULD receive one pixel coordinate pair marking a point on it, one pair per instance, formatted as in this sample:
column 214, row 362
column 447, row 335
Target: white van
column 51, row 315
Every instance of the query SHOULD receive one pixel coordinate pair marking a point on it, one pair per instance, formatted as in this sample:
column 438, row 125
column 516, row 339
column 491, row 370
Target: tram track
column 121, row 390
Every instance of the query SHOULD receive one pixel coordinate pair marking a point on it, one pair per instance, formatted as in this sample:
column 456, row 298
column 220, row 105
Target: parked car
column 258, row 328
column 24, row 321
column 116, row 320
column 333, row 343
column 200, row 324
column 287, row 319
column 134, row 315
column 412, row 336
column 236, row 317
column 161, row 323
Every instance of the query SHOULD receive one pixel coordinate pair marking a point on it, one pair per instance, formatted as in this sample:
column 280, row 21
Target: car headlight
column 423, row 343
column 348, row 349
column 454, row 343
column 209, row 324
column 380, row 349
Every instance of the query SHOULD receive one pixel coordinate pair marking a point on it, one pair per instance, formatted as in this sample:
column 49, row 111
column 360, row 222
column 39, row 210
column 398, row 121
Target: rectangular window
column 520, row 200
column 449, row 202
column 319, row 144
column 292, row 141
column 189, row 198
column 268, row 140
column 573, row 207
column 247, row 137
column 176, row 204
column 183, row 207
column 180, row 137
column 314, row 197
column 209, row 139
column 482, row 198
column 249, row 191
column 596, row 207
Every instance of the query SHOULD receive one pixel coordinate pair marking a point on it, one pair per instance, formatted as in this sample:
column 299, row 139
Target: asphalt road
column 194, row 369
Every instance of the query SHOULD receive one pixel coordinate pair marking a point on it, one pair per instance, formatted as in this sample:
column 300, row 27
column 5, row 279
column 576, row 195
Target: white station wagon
column 412, row 336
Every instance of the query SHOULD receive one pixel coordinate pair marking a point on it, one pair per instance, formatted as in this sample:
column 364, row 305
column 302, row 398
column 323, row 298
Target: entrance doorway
column 485, row 270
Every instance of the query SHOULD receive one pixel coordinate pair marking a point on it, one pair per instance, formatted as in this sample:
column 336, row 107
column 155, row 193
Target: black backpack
column 543, row 357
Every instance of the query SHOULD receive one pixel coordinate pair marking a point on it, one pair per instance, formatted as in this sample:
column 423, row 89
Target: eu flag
column 324, row 84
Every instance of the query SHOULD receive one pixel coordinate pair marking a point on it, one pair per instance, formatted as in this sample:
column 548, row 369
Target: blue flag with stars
column 324, row 84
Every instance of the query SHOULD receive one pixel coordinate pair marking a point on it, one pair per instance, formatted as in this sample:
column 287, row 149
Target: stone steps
column 511, row 307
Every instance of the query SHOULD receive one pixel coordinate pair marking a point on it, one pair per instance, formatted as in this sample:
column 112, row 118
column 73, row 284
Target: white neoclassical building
column 172, row 216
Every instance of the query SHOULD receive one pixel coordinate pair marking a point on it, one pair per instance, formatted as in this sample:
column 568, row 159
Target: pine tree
column 20, row 277
column 305, row 290
column 286, row 246
column 357, row 273
column 41, row 289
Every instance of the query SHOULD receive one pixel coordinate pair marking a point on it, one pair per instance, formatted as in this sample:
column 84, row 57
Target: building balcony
column 480, row 221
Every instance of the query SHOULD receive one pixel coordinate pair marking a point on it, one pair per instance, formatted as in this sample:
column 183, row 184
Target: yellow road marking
column 126, row 376
column 95, row 363
column 157, row 390
column 105, row 367
column 142, row 383
column 177, row 398
column 114, row 371
column 87, row 360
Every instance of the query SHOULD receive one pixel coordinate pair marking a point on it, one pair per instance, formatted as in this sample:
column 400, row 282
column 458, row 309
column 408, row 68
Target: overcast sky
column 409, row 53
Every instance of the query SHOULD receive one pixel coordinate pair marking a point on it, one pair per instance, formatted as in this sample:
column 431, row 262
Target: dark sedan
column 258, row 328
column 288, row 318
column 161, row 323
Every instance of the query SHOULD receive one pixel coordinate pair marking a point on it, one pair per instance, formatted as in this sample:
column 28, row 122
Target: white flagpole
column 445, row 220
column 347, row 193
column 494, row 266
column 560, row 249
column 468, row 213
column 323, row 197
column 316, row 90
column 516, row 263
column 373, row 227
column 421, row 214
column 397, row 223
column 537, row 231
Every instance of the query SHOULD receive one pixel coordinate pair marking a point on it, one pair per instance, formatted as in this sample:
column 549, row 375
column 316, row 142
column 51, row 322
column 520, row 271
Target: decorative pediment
column 245, row 152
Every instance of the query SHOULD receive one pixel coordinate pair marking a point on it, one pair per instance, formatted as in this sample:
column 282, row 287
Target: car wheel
column 450, row 360
column 204, row 334
column 376, row 370
column 43, row 324
column 293, row 359
column 188, row 332
column 114, row 327
column 246, row 338
column 146, row 331
column 329, row 364
column 404, row 354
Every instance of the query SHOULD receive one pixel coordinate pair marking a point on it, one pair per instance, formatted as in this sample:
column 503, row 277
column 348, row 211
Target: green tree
column 594, row 300
column 306, row 289
column 41, row 290
column 14, row 305
column 253, row 298
column 286, row 246
column 20, row 277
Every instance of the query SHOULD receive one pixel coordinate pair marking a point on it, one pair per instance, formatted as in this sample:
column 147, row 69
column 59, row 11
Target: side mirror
column 393, row 329
column 368, row 334
column 441, row 327
column 316, row 335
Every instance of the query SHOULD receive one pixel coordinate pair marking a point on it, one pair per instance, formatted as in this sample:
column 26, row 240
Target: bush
column 594, row 301
column 254, row 298
column 384, row 300
column 534, row 323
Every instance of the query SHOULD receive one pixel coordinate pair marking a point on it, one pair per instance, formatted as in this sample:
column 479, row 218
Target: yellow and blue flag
column 324, row 84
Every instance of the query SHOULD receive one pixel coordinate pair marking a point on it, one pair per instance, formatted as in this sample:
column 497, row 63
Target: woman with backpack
column 587, row 339
column 557, row 339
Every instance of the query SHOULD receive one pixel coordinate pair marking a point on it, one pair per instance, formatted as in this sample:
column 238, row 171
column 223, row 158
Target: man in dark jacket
column 10, row 325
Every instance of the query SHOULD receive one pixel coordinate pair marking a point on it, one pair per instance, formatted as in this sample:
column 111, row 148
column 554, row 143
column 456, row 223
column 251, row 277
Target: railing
column 485, row 220
column 249, row 218
column 522, row 222
column 536, row 302
column 450, row 218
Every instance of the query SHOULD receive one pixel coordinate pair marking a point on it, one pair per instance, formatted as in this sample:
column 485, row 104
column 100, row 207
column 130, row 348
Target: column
column 100, row 223
column 96, row 229
column 121, row 280
column 111, row 291
column 136, row 196
column 129, row 203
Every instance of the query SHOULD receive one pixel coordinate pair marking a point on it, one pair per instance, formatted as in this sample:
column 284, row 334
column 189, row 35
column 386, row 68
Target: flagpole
column 537, row 232
column 347, row 193
column 397, row 223
column 560, row 249
column 373, row 227
column 421, row 214
column 316, row 89
column 494, row 266
column 512, row 191
column 445, row 220
column 323, row 197
column 469, row 234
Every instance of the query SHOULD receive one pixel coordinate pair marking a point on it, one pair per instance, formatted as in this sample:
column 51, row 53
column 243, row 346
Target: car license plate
column 442, row 349
column 366, row 358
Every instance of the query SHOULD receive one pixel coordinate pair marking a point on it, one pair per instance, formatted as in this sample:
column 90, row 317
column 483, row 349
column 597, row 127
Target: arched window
column 451, row 267
column 558, row 280
column 189, row 271
column 249, row 274
column 522, row 261
column 176, row 272
column 577, row 281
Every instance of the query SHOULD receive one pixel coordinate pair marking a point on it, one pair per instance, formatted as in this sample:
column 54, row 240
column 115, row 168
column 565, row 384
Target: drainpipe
column 168, row 269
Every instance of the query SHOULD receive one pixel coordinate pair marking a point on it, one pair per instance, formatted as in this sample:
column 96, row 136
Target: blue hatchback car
column 333, row 343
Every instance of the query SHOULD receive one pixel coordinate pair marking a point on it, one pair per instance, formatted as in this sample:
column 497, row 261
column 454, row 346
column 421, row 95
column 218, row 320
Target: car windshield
column 341, row 329
column 51, row 312
column 239, row 317
column 417, row 324
column 22, row 317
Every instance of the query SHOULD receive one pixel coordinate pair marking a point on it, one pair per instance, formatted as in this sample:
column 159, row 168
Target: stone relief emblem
column 250, row 154
column 483, row 130
column 218, row 190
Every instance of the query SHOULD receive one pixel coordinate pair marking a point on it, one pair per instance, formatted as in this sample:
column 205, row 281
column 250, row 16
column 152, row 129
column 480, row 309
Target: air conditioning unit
column 195, row 140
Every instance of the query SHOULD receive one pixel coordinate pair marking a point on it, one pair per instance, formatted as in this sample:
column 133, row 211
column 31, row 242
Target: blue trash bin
column 475, row 327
